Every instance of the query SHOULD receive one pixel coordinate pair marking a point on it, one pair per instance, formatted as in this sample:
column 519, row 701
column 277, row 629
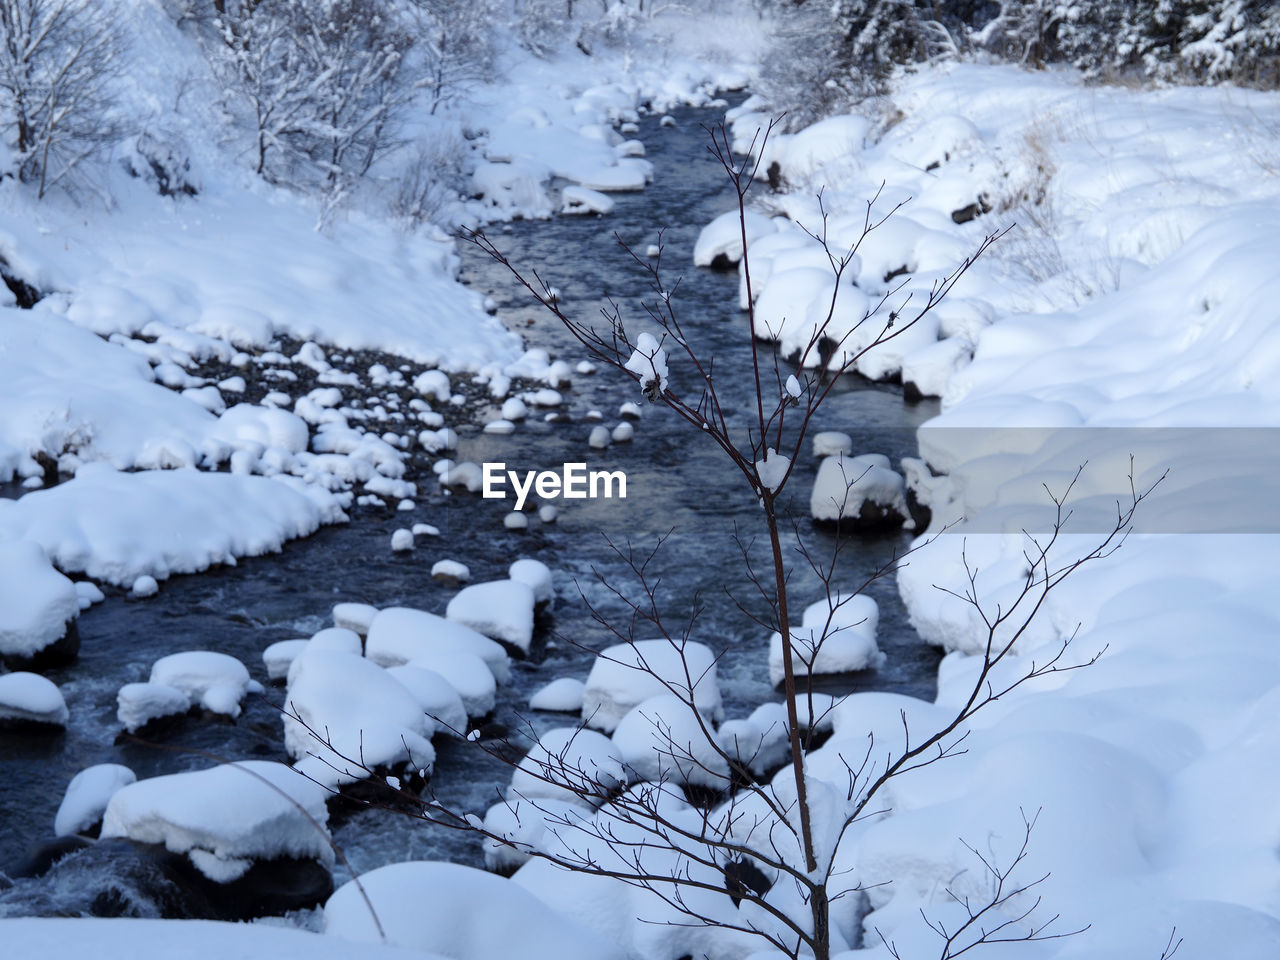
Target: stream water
column 677, row 483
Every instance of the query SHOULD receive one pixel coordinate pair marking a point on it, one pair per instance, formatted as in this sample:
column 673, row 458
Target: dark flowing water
column 678, row 484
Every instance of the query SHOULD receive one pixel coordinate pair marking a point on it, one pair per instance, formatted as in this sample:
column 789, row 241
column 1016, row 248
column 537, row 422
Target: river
column 677, row 482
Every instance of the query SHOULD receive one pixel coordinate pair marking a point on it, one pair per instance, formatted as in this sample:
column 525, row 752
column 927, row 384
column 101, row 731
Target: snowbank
column 115, row 526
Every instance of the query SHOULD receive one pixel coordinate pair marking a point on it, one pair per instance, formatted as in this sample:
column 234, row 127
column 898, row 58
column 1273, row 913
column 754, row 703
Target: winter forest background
column 966, row 388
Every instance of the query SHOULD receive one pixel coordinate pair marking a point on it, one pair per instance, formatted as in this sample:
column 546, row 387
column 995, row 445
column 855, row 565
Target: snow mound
column 721, row 239
column 661, row 740
column 458, row 912
column 87, row 797
column 137, row 704
column 215, row 681
column 501, row 609
column 833, row 637
column 359, row 710
column 537, row 575
column 162, row 522
column 36, row 602
column 437, row 697
column 862, row 489
column 354, row 616
column 280, row 655
column 336, row 638
column 29, row 697
column 225, row 816
column 563, row 695
column 469, row 676
column 568, row 763
column 626, row 674
column 524, row 824
column 400, row 634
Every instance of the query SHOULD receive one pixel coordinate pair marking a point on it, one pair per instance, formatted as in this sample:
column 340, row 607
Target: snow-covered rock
column 37, row 603
column 469, row 676
column 562, row 695
column 450, row 570
column 401, row 634
column 832, row 443
column 626, row 674
column 515, row 520
column 31, row 698
column 501, row 609
column 144, row 586
column 622, row 433
column 661, row 739
column 341, row 709
column 336, row 638
column 225, row 817
column 599, row 438
column 87, row 797
column 524, row 824
column 578, row 199
column 137, row 704
column 354, row 616
column 537, row 575
column 458, row 912
column 833, row 637
column 569, row 763
column 278, row 657
column 215, row 681
column 402, row 541
column 862, row 490
column 720, row 242
column 437, row 697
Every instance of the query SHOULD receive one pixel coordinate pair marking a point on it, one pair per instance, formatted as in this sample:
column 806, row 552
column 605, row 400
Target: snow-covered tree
column 58, row 59
column 454, row 46
column 318, row 81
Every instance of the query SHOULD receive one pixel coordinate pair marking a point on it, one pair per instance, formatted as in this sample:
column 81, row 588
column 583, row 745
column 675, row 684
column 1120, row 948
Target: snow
column 583, row 200
column 144, row 586
column 278, row 657
column 661, row 740
column 215, row 681
column 844, row 484
column 402, row 540
column 226, row 816
column 537, row 575
column 648, row 361
column 626, row 674
column 831, row 443
column 568, row 763
column 36, row 602
column 127, row 938
column 336, row 638
column 451, row 570
column 361, row 712
column 469, row 676
column 772, row 470
column 458, row 912
column 356, row 617
column 163, row 522
column 400, row 634
column 722, row 237
column 31, row 697
column 834, row 636
column 562, row 695
column 87, row 796
column 501, row 609
column 137, row 704
column 524, row 824
column 622, row 433
column 599, row 438
column 437, row 697
column 515, row 520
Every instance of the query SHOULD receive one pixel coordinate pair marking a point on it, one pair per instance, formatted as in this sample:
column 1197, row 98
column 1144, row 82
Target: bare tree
column 58, row 60
column 766, row 861
column 455, row 45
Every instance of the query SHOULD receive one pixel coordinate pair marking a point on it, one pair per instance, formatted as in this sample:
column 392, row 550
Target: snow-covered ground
column 1136, row 292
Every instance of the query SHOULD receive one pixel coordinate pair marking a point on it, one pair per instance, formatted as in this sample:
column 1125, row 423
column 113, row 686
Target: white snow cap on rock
column 469, row 676
column 722, row 237
column 565, row 760
column 354, row 616
column 36, row 601
column 501, row 609
column 649, row 362
column 451, row 570
column 137, row 704
column 438, row 698
column 87, row 796
column 832, row 443
column 562, row 695
column 401, row 634
column 458, row 912
column 226, row 816
column 363, row 711
column 844, row 484
column 336, row 638
column 536, row 574
column 626, row 674
column 215, row 681
column 278, row 657
column 661, row 740
column 31, row 697
column 850, row 643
